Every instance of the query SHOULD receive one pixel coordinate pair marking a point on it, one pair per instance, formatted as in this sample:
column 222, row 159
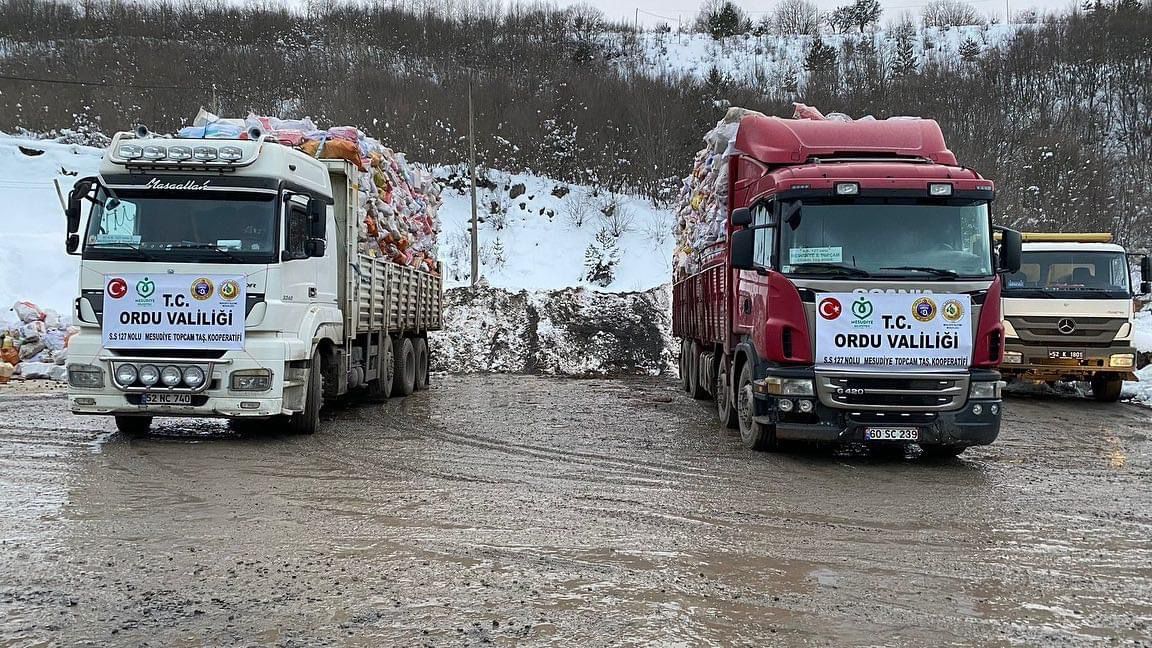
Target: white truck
column 1068, row 312
column 222, row 278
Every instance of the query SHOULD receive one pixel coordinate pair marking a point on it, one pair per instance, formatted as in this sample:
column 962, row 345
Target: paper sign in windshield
column 174, row 311
column 796, row 256
column 893, row 332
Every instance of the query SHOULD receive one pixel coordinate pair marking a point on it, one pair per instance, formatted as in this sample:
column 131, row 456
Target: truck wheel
column 420, row 351
column 379, row 389
column 723, row 391
column 685, row 366
column 133, row 426
column 1107, row 389
column 755, row 436
column 941, row 451
column 695, row 387
column 308, row 421
column 404, row 380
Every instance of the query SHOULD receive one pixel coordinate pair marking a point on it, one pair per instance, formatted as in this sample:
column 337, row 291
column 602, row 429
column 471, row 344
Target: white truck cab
column 221, row 278
column 1068, row 312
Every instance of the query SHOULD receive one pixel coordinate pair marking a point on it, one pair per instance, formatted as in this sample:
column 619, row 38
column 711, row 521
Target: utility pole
column 472, row 173
column 637, row 18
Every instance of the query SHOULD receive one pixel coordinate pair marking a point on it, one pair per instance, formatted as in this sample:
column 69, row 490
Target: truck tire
column 686, row 366
column 404, row 379
column 420, row 351
column 308, row 421
column 133, row 426
column 754, row 436
column 1107, row 389
column 381, row 388
column 723, row 391
column 695, row 388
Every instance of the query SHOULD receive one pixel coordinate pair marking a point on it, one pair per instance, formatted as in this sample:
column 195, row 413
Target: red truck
column 855, row 295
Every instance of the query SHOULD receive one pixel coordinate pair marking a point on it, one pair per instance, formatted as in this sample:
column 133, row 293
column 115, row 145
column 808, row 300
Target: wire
column 103, row 84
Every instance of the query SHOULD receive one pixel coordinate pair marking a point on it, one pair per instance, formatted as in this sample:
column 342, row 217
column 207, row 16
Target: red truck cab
column 856, row 296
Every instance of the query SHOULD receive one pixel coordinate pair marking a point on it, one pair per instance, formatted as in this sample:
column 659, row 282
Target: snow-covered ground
column 768, row 59
column 1141, row 392
column 33, row 263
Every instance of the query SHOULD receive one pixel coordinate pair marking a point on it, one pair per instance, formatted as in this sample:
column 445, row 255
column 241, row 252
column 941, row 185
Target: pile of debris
column 35, row 345
column 397, row 202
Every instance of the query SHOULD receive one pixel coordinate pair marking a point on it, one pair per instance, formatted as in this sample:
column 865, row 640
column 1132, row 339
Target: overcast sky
column 655, row 11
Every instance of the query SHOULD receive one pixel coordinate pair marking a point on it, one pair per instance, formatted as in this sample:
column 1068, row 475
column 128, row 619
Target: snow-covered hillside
column 770, row 59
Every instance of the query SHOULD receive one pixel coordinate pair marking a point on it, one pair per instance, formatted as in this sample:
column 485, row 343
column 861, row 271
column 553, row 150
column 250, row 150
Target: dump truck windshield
column 887, row 238
column 212, row 227
column 1080, row 275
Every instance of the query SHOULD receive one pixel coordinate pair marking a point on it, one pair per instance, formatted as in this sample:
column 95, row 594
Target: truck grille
column 1077, row 331
column 916, row 393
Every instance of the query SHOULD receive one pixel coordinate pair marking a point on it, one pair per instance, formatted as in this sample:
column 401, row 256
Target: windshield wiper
column 128, row 246
column 823, row 266
column 938, row 272
column 207, row 246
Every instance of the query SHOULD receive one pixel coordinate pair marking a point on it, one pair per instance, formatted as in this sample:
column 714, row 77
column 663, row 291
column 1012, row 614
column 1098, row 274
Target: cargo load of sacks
column 702, row 204
column 35, row 344
column 397, row 202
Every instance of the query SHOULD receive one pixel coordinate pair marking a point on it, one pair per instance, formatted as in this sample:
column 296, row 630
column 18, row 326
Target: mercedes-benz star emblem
column 1066, row 326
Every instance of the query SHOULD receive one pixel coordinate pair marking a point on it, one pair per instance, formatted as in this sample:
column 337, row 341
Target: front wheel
column 133, row 426
column 308, row 421
column 754, row 436
column 1107, row 389
column 723, row 391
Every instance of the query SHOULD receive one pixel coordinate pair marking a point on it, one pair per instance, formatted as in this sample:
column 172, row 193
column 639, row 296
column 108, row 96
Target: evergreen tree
column 904, row 63
column 821, row 57
column 969, row 50
column 601, row 258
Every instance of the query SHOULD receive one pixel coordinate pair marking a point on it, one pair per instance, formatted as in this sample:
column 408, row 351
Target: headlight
column 1122, row 360
column 784, row 386
column 1013, row 357
column 126, row 374
column 179, row 153
column 130, row 151
column 85, row 376
column 204, row 153
column 194, row 377
column 984, row 390
column 251, row 380
column 231, row 153
column 149, row 375
column 153, row 152
column 171, row 376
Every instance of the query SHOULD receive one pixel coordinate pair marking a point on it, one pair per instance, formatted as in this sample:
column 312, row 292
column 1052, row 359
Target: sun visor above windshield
column 774, row 141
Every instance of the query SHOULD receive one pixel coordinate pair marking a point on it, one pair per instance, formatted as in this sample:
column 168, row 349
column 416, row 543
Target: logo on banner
column 924, row 309
column 862, row 308
column 952, row 310
column 830, row 308
column 229, row 290
column 202, row 289
column 117, row 288
column 145, row 288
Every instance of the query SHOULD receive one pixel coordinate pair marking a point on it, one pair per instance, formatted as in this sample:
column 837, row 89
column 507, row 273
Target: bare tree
column 796, row 18
column 950, row 13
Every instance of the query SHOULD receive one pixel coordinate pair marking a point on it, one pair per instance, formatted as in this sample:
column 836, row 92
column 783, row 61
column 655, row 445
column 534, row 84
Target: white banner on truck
column 893, row 332
column 171, row 311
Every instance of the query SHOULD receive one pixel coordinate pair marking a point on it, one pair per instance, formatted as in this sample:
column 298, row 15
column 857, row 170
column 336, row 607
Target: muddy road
column 532, row 511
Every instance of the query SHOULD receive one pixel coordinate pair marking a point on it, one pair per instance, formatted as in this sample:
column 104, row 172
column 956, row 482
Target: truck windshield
column 1070, row 274
column 211, row 227
column 886, row 238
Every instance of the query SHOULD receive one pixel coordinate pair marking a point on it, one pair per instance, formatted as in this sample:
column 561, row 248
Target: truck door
column 751, row 287
column 298, row 270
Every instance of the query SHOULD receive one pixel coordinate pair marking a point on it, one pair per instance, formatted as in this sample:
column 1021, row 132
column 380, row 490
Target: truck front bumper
column 1044, row 362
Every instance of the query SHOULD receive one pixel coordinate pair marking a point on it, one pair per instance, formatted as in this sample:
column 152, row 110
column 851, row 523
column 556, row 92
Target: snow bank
column 573, row 331
column 1141, row 392
column 33, row 264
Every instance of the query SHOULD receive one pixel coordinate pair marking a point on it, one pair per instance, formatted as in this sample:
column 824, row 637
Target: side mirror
column 742, row 217
column 72, row 243
column 743, row 249
column 315, row 247
column 76, row 198
column 1011, row 250
column 317, row 219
